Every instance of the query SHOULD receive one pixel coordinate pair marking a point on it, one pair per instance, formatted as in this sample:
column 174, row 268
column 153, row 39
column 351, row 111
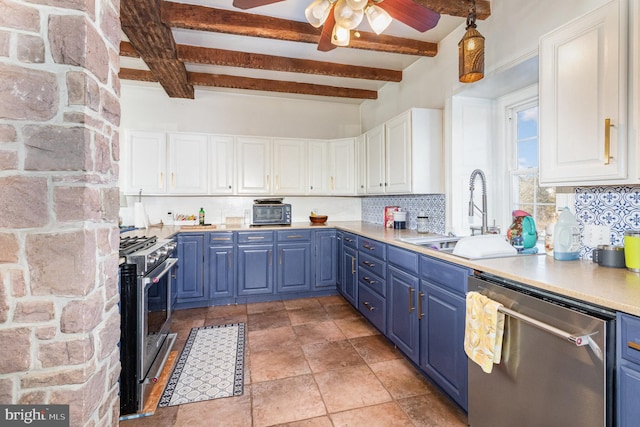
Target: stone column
column 59, row 153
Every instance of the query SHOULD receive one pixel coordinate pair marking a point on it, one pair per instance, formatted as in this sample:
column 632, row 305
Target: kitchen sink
column 472, row 247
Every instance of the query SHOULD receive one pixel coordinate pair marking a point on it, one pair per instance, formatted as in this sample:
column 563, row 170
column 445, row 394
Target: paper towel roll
column 140, row 216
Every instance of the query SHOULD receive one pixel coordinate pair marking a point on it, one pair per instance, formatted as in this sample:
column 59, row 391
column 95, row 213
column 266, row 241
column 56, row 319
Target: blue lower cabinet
column 628, row 370
column 220, row 274
column 190, row 277
column 293, row 273
column 325, row 259
column 349, row 288
column 373, row 307
column 404, row 312
column 255, row 269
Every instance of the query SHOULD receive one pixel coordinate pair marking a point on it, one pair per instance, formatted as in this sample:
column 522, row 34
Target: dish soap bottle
column 566, row 237
column 201, row 216
column 422, row 223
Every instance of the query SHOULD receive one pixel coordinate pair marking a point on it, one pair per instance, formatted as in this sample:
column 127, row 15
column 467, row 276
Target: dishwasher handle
column 578, row 340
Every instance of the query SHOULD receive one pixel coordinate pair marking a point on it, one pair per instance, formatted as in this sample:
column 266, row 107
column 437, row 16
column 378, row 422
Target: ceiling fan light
column 379, row 19
column 357, row 4
column 317, row 12
column 347, row 17
column 340, row 35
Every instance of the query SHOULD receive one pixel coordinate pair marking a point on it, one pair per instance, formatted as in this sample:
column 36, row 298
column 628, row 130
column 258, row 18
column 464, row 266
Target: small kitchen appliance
column 632, row 250
column 609, row 256
column 399, row 220
column 271, row 212
column 147, row 298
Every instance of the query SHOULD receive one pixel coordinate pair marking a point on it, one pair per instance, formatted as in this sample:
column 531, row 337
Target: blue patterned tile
column 432, row 204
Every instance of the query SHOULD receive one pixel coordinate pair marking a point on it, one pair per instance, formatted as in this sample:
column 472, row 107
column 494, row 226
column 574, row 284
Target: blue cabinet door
column 628, row 392
column 255, row 269
column 349, row 275
column 403, row 312
column 219, row 272
column 442, row 340
column 293, row 273
column 339, row 261
column 190, row 268
column 326, row 259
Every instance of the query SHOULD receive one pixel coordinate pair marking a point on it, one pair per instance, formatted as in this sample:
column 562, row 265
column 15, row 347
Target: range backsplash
column 432, row 204
column 617, row 207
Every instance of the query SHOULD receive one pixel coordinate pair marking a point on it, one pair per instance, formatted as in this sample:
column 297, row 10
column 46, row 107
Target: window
column 526, row 193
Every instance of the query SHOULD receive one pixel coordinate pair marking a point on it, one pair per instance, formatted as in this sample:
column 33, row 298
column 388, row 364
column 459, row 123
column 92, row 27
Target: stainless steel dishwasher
column 557, row 362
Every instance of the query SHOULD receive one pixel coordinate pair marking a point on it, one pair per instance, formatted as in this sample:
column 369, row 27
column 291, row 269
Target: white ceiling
column 294, row 10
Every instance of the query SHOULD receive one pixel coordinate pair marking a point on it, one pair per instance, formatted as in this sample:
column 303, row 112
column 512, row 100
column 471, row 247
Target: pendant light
column 471, row 51
column 317, row 12
column 379, row 19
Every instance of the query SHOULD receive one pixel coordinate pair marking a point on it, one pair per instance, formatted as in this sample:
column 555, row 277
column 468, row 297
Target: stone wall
column 59, row 153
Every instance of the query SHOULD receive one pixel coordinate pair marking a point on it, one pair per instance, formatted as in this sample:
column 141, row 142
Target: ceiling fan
column 339, row 17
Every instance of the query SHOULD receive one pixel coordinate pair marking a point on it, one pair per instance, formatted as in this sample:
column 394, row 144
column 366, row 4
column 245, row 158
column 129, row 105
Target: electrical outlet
column 595, row 235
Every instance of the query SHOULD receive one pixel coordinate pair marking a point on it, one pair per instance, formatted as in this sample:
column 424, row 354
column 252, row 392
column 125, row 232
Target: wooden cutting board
column 198, row 227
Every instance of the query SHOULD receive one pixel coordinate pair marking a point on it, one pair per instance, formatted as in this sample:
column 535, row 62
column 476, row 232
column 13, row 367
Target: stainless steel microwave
column 271, row 214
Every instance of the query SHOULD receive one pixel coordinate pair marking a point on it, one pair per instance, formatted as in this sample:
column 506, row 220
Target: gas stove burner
column 131, row 244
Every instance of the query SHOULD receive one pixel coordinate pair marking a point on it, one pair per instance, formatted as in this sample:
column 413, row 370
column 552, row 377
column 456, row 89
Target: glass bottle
column 201, row 216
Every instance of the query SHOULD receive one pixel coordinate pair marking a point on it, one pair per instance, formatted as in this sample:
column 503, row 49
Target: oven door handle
column 168, row 264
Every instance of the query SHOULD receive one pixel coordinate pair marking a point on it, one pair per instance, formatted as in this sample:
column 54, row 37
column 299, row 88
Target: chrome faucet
column 472, row 206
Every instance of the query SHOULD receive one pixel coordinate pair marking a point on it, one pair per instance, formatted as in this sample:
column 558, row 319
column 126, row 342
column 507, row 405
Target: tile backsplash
column 617, row 207
column 432, row 204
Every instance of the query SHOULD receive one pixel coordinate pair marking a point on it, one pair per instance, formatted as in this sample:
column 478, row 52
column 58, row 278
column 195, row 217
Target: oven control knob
column 152, row 259
column 162, row 252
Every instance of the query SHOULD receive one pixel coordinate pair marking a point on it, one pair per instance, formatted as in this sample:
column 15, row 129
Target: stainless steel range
column 147, row 296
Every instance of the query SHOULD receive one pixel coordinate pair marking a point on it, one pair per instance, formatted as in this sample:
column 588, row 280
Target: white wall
column 147, row 107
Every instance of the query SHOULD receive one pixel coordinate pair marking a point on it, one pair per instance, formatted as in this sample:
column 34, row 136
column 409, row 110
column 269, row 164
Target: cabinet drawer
column 221, row 238
column 372, row 281
column 373, row 307
column 373, row 247
column 255, row 237
column 404, row 259
column 629, row 337
column 372, row 264
column 449, row 275
column 294, row 235
column 350, row 240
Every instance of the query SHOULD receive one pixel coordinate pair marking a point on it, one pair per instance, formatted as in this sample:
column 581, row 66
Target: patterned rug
column 210, row 366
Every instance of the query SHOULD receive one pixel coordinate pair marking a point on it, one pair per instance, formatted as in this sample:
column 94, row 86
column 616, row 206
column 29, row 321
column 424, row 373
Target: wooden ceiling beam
column 458, row 7
column 194, row 17
column 229, row 58
column 234, row 82
column 140, row 20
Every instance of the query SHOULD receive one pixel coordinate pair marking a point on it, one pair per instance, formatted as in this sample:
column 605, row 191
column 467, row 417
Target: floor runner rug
column 210, row 366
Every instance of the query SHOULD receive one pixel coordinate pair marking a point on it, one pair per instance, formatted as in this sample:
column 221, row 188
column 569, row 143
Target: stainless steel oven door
column 154, row 315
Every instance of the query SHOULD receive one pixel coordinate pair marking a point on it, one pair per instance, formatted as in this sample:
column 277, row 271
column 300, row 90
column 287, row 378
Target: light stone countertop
column 614, row 288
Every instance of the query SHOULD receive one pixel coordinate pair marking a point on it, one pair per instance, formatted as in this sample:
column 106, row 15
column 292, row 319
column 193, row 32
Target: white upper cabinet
column 254, row 165
column 374, row 159
column 342, row 166
column 188, row 158
column 147, row 162
column 583, row 99
column 361, row 165
column 332, row 167
column 290, row 166
column 319, row 173
column 405, row 154
column 221, row 164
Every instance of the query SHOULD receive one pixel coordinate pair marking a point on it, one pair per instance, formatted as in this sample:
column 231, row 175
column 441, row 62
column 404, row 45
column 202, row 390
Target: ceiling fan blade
column 411, row 14
column 325, row 45
column 248, row 4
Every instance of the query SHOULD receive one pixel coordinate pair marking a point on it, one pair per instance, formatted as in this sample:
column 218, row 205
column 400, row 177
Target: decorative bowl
column 318, row 219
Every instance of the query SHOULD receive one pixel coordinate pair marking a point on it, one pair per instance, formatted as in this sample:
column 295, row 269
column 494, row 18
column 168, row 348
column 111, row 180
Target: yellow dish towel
column 484, row 326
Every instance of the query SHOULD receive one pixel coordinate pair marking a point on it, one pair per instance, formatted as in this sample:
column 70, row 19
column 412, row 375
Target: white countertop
column 614, row 288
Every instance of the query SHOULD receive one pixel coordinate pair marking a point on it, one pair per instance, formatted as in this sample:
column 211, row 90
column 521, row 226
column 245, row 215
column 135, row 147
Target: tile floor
column 312, row 362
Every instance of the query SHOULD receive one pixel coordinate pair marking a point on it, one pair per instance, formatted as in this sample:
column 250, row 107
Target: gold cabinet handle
column 366, row 246
column 161, row 180
column 255, row 237
column 173, row 184
column 368, row 264
column 230, row 258
column 368, row 280
column 270, row 257
column 420, row 313
column 295, row 236
column 411, row 307
column 633, row 345
column 333, row 187
column 280, row 257
column 607, row 141
column 222, row 238
column 277, row 182
column 353, row 261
